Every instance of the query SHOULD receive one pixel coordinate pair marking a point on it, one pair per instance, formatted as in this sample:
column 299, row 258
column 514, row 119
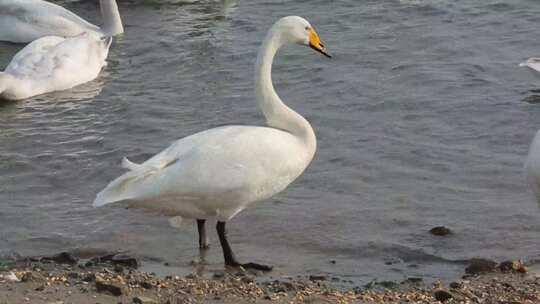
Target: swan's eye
column 307, row 28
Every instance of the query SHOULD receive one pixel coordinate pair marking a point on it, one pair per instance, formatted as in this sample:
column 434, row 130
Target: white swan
column 24, row 21
column 532, row 63
column 219, row 172
column 532, row 166
column 52, row 64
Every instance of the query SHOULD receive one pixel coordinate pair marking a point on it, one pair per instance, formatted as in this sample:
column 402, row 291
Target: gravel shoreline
column 63, row 279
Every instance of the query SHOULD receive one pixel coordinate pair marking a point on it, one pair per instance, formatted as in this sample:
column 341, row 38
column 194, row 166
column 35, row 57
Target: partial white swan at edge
column 53, row 64
column 532, row 63
column 219, row 172
column 24, row 21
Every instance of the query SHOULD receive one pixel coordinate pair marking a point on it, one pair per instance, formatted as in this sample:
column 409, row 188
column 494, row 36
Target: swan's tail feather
column 127, row 164
column 116, row 191
column 128, row 186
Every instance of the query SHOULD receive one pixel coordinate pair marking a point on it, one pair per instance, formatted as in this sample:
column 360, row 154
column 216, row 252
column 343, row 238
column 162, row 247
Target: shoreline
column 115, row 278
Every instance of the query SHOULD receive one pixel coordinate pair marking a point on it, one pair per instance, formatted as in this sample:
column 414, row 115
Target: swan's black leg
column 228, row 254
column 203, row 238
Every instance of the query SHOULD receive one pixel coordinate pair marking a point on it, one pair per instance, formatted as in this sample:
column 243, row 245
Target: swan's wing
column 45, row 16
column 533, row 63
column 222, row 164
column 62, row 60
column 35, row 58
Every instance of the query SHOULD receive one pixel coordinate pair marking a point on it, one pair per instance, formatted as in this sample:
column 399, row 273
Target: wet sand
column 114, row 279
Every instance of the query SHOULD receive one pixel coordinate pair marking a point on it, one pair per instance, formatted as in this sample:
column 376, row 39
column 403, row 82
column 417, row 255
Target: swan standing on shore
column 23, row 21
column 219, row 172
column 52, row 64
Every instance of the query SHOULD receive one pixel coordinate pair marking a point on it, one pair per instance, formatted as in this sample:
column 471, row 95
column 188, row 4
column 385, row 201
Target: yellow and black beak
column 316, row 44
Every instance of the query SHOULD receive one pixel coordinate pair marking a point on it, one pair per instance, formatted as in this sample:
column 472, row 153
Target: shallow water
column 420, row 118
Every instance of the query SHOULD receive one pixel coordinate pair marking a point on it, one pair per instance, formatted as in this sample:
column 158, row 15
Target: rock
column 440, row 231
column 321, row 277
column 456, row 285
column 146, row 285
column 512, row 266
column 144, row 300
column 478, row 266
column 125, row 260
column 62, row 258
column 219, row 274
column 90, row 277
column 108, row 287
column 442, row 295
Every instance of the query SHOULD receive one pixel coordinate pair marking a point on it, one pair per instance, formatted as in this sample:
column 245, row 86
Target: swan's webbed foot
column 256, row 266
column 228, row 255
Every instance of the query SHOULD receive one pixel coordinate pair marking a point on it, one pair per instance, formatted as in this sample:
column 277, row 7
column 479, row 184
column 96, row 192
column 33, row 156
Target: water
column 420, row 118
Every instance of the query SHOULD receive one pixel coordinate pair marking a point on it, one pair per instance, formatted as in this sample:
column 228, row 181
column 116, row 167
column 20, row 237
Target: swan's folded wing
column 34, row 59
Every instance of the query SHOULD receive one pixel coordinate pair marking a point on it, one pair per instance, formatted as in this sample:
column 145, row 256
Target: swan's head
column 296, row 29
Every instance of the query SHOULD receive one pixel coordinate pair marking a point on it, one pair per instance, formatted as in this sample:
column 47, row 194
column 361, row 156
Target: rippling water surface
column 420, row 116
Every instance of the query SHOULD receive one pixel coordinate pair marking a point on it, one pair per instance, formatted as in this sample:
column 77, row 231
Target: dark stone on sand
column 219, row 275
column 115, row 259
column 333, row 262
column 442, row 295
column 40, row 288
column 89, row 277
column 146, row 285
column 108, row 287
column 144, row 300
column 321, row 277
column 62, row 258
column 456, row 285
column 440, row 231
column 478, row 266
column 125, row 260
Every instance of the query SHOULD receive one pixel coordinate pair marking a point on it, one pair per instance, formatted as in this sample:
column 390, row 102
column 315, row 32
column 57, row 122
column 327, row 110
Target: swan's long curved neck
column 112, row 23
column 277, row 114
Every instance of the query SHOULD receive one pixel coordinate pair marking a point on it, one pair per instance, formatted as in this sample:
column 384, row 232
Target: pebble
column 321, row 277
column 62, row 258
column 478, row 266
column 442, row 295
column 440, row 231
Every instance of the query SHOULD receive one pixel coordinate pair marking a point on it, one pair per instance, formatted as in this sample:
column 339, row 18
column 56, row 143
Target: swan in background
column 219, row 172
column 532, row 63
column 24, row 21
column 52, row 64
column 532, row 166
